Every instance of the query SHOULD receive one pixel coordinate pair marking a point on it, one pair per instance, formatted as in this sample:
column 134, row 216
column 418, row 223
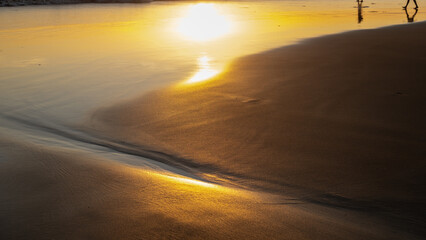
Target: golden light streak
column 189, row 181
column 178, row 179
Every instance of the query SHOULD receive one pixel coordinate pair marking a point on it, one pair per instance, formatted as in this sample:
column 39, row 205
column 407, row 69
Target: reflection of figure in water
column 360, row 18
column 408, row 1
column 410, row 19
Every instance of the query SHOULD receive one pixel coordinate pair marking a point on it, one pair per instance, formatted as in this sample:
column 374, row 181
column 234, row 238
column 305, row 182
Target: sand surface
column 337, row 120
column 60, row 194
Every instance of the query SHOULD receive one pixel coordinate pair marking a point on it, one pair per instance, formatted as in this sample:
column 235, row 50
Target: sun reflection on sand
column 205, row 71
column 189, row 181
column 183, row 181
column 203, row 22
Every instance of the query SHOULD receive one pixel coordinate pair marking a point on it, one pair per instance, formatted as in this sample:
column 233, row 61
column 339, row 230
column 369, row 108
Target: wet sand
column 336, row 120
column 60, row 194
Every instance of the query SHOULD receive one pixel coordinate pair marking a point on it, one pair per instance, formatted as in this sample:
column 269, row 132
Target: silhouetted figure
column 360, row 18
column 410, row 19
column 408, row 1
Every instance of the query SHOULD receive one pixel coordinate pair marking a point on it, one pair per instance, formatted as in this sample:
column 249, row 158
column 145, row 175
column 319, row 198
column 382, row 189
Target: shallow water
column 57, row 63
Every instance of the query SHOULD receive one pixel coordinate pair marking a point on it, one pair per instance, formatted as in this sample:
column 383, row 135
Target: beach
column 118, row 127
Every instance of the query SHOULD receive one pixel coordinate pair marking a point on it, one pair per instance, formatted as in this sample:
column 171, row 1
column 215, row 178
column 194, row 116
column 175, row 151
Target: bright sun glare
column 203, row 22
column 204, row 72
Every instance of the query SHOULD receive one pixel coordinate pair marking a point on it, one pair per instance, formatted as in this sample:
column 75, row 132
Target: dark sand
column 338, row 120
column 59, row 194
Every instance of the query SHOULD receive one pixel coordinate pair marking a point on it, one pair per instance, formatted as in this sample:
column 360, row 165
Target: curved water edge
column 27, row 130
